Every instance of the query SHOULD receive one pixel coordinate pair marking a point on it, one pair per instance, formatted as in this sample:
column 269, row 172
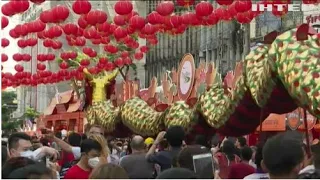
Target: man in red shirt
column 90, row 153
column 243, row 169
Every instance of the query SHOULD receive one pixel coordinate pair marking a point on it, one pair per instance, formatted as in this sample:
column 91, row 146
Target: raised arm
column 87, row 74
column 113, row 75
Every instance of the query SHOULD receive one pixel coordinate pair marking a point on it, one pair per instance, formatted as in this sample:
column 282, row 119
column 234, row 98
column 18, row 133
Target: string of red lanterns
column 93, row 26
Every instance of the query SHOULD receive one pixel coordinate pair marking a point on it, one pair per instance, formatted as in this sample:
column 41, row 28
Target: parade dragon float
column 277, row 77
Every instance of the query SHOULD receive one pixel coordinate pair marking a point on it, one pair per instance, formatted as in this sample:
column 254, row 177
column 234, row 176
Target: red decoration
column 127, row 61
column 64, row 65
column 13, row 33
column 119, row 62
column 4, row 42
column 111, row 49
column 204, row 9
column 123, row 7
column 103, row 60
column 243, row 5
column 4, row 22
column 4, row 57
column 46, row 16
column 21, row 43
column 19, row 6
column 37, row 1
column 7, row 9
column 60, row 13
column 224, row 2
column 80, row 41
column 96, row 17
column 144, row 49
column 70, row 29
column 120, row 33
column 124, row 54
column 137, row 22
column 119, row 20
column 81, row 6
column 148, row 29
column 165, row 8
column 185, row 3
column 138, row 56
column 31, row 42
column 87, row 50
column 155, row 18
column 18, row 68
column 82, row 22
column 26, row 57
column 56, row 45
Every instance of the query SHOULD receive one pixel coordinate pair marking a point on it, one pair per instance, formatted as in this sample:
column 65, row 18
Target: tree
column 8, row 106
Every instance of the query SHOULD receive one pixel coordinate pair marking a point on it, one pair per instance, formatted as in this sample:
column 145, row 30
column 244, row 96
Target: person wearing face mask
column 19, row 145
column 90, row 153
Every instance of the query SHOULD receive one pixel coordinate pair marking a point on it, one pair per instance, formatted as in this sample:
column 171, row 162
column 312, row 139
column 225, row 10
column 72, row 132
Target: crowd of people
column 95, row 155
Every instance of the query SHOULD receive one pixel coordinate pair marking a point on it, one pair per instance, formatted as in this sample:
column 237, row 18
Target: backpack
column 65, row 167
column 225, row 164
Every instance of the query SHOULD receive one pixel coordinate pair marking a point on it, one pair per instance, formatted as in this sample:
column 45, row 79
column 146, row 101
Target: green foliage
column 8, row 106
column 31, row 113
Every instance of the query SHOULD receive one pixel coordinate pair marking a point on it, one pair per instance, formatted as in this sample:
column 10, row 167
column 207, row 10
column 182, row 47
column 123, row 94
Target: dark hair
column 90, row 144
column 163, row 144
column 242, row 141
column 177, row 173
column 74, row 139
column 201, row 140
column 258, row 157
column 15, row 137
column 44, row 142
column 4, row 155
column 310, row 175
column 58, row 135
column 283, row 152
column 185, row 157
column 175, row 136
column 109, row 171
column 13, row 164
column 228, row 149
column 215, row 140
column 33, row 171
column 246, row 153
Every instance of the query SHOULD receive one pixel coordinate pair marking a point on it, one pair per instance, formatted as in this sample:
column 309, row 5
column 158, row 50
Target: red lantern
column 103, row 60
column 119, row 20
column 204, row 9
column 155, row 18
column 148, row 29
column 165, row 8
column 124, row 54
column 80, row 41
column 73, row 55
column 224, row 2
column 93, row 54
column 46, row 16
column 87, row 50
column 120, row 33
column 38, row 26
column 41, row 67
column 119, row 62
column 50, row 57
column 96, row 17
column 111, row 49
column 13, row 33
column 4, row 57
column 138, row 56
column 64, row 65
column 60, row 13
column 212, row 19
column 4, row 22
column 56, row 45
column 144, row 49
column 21, row 30
column 19, row 6
column 281, row 13
column 18, row 68
column 137, row 22
column 127, row 61
column 37, row 1
column 105, row 40
column 175, row 21
column 7, row 9
column 82, row 22
column 85, row 62
column 26, row 57
column 4, row 42
column 123, row 7
column 81, row 6
column 32, row 42
column 185, row 3
column 243, row 5
column 70, row 28
column 21, row 43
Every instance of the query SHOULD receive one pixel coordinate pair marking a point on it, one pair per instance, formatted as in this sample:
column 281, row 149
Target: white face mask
column 93, row 162
column 27, row 154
